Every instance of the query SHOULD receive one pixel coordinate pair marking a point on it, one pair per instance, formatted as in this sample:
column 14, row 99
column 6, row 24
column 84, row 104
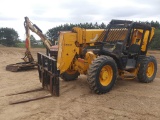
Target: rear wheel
column 102, row 74
column 147, row 70
column 70, row 75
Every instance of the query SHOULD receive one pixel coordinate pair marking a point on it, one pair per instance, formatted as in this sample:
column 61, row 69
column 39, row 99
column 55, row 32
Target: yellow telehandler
column 101, row 54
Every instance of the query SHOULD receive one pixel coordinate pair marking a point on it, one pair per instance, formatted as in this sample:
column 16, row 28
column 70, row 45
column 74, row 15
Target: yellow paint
column 82, row 65
column 137, row 37
column 66, row 50
column 124, row 74
column 92, row 35
column 72, row 43
column 87, row 35
column 106, row 75
column 150, row 69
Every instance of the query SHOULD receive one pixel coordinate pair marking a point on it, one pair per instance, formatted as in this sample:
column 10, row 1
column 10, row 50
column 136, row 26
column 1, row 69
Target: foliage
column 155, row 44
column 155, row 24
column 8, row 37
column 33, row 41
column 21, row 44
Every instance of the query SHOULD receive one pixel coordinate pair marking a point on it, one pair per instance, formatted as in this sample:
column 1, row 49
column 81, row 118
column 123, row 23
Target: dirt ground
column 129, row 99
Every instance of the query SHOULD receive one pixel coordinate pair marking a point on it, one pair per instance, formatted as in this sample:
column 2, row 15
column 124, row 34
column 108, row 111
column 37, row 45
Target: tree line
column 9, row 36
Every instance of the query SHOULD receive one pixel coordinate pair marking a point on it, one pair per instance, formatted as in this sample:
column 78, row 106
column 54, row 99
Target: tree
column 103, row 26
column 52, row 34
column 96, row 25
column 8, row 36
column 155, row 43
column 32, row 40
column 155, row 24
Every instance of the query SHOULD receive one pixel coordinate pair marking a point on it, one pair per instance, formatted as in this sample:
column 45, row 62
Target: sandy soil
column 129, row 99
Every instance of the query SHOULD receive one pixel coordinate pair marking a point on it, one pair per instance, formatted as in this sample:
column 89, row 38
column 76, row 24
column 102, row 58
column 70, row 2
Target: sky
column 51, row 13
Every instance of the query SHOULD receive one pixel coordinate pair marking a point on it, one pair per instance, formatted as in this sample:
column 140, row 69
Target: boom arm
column 30, row 26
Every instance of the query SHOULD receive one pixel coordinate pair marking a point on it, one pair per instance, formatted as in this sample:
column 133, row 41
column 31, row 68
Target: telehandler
column 101, row 54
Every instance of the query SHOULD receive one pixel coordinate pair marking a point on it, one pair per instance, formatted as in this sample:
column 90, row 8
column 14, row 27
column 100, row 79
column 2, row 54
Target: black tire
column 69, row 76
column 95, row 71
column 143, row 74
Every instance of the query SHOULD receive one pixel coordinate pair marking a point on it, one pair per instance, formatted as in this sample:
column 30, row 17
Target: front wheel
column 70, row 75
column 147, row 70
column 102, row 74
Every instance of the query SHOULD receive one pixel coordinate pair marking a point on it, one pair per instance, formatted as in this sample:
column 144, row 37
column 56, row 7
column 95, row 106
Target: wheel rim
column 106, row 75
column 150, row 69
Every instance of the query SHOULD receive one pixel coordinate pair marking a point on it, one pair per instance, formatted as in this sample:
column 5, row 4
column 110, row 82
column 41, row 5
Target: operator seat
column 134, row 49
